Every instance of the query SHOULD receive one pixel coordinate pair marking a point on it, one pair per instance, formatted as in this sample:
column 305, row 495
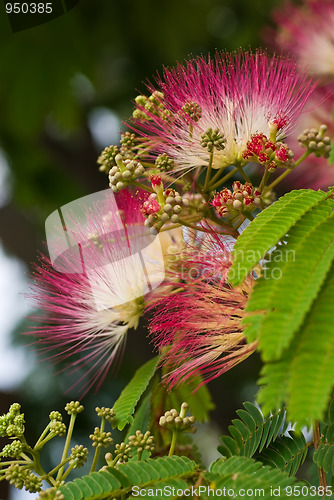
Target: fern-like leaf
column 245, row 477
column 252, row 432
column 269, row 227
column 111, row 482
column 304, row 376
column 291, row 281
column 286, row 453
column 127, row 401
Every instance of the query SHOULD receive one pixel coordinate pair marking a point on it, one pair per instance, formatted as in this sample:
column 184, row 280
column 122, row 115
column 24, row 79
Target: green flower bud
column 101, row 438
column 107, row 413
column 74, row 407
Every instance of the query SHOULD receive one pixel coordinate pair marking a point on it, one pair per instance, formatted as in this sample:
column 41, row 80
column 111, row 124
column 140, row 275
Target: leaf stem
column 98, row 447
column 288, row 171
column 173, row 443
column 208, row 172
column 316, row 442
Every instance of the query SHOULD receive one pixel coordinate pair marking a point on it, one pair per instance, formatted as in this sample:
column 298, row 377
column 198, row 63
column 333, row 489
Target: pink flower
column 197, row 326
column 91, row 299
column 306, row 32
column 216, row 105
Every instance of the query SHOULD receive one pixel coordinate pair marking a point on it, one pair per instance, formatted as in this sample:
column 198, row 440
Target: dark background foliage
column 53, row 78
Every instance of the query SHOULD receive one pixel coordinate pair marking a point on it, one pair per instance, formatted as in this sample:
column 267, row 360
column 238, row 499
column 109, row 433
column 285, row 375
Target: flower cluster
column 184, row 169
column 174, row 420
column 268, row 153
column 242, row 197
column 124, row 173
column 235, row 96
column 163, row 206
column 199, row 326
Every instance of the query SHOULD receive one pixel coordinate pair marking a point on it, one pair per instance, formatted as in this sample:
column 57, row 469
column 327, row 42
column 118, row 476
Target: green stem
column 316, row 442
column 217, row 175
column 98, row 448
column 66, row 473
column 223, row 179
column 302, row 158
column 248, row 215
column 264, row 179
column 208, row 172
column 10, row 462
column 243, row 173
column 40, row 439
column 96, row 457
column 67, row 444
column 172, row 444
column 59, row 466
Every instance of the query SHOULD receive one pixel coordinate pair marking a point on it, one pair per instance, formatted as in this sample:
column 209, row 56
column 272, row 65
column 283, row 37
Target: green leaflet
column 286, row 453
column 269, row 227
column 141, row 418
column 290, row 281
column 304, row 376
column 252, row 432
column 111, row 482
column 241, row 474
column 126, row 403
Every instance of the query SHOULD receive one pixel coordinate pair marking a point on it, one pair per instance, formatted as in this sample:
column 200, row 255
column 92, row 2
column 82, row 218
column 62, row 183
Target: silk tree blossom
column 206, row 111
column 197, row 326
column 90, row 310
column 307, row 32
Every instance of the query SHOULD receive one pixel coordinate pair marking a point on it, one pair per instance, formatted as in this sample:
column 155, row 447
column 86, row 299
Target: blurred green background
column 65, row 87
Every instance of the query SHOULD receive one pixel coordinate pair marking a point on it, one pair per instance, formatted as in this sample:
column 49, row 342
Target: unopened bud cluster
column 164, row 163
column 268, row 153
column 14, row 449
column 79, row 456
column 142, row 441
column 193, row 110
column 124, row 172
column 123, row 452
column 57, row 428
column 174, row 420
column 101, row 438
column 152, row 105
column 106, row 160
column 213, row 139
column 316, row 141
column 166, row 210
column 12, row 422
column 74, row 407
column 128, row 145
column 51, row 494
column 23, row 477
column 107, row 413
column 242, row 197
